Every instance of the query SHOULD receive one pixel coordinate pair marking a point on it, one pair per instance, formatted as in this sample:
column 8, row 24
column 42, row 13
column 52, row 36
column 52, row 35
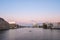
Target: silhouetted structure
column 14, row 26
column 50, row 25
column 44, row 26
column 3, row 24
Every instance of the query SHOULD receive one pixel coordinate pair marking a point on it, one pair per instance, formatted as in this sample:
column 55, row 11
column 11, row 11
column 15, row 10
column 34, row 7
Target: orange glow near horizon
column 11, row 22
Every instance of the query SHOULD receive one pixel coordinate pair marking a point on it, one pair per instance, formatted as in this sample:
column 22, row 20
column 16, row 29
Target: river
column 30, row 34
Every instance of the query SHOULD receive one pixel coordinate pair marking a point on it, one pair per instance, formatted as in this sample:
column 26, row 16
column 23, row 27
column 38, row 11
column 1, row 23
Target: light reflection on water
column 30, row 34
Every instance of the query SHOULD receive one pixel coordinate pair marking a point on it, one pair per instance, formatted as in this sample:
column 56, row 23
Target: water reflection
column 30, row 34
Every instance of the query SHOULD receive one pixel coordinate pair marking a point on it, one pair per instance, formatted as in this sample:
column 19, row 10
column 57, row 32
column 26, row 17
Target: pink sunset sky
column 28, row 11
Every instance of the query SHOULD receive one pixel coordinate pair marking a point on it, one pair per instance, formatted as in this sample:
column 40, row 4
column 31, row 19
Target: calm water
column 30, row 34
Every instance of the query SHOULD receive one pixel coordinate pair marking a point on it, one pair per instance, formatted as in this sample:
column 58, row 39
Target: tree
column 44, row 26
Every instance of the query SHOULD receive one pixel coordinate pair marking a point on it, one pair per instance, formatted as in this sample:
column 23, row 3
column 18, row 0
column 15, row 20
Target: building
column 56, row 25
column 3, row 24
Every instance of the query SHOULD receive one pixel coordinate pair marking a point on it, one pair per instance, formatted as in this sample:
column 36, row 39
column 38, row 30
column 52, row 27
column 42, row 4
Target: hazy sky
column 30, row 10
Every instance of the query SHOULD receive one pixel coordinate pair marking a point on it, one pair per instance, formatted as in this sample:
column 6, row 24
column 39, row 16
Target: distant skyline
column 28, row 11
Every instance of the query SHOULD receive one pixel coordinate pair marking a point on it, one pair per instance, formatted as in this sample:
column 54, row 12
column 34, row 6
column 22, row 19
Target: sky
column 28, row 11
